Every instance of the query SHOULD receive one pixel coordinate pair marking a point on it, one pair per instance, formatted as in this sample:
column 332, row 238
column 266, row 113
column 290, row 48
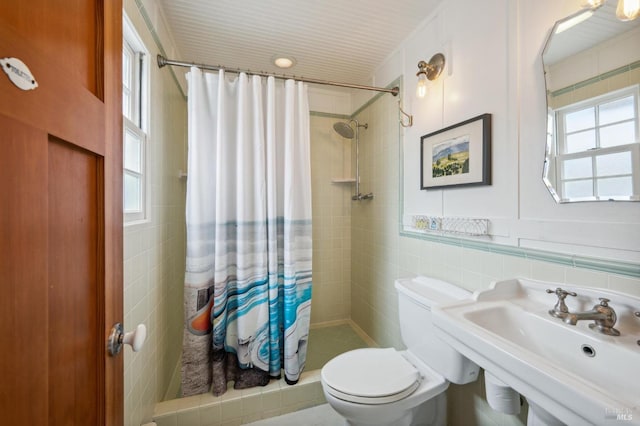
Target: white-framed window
column 135, row 107
column 598, row 147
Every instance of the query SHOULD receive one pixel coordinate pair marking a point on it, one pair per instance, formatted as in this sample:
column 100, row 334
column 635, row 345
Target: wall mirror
column 592, row 74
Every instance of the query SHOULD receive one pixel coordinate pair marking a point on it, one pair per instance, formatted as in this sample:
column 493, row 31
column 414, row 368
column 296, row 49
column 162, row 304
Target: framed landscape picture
column 458, row 155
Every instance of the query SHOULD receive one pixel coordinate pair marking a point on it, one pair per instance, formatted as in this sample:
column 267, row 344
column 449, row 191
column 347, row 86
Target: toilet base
column 432, row 412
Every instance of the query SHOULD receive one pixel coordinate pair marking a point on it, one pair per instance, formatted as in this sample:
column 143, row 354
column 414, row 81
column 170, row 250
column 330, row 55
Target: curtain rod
column 162, row 61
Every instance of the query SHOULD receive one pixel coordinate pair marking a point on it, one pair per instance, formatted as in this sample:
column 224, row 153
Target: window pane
column 132, row 193
column 578, row 168
column 614, row 164
column 618, row 134
column 582, row 141
column 134, row 140
column 126, row 67
column 619, row 110
column 126, row 103
column 580, row 120
column 126, row 81
column 612, row 187
column 132, row 152
column 578, row 189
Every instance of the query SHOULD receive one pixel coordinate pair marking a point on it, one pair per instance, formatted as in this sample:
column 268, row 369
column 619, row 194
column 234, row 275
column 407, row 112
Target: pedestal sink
column 574, row 373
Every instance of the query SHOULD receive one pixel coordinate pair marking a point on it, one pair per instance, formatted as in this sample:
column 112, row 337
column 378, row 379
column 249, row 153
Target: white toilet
column 389, row 387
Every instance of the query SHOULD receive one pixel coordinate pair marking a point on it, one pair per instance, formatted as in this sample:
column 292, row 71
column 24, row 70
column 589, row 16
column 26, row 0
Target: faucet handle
column 561, row 293
column 604, row 301
column 560, row 310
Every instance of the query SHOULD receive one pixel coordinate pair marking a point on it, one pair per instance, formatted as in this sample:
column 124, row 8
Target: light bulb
column 628, row 10
column 282, row 61
column 421, row 88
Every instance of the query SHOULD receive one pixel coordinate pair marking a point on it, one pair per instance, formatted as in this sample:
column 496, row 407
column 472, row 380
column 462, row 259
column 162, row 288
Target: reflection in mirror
column 592, row 76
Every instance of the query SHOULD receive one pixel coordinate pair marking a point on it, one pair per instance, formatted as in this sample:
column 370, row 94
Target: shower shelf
column 343, row 180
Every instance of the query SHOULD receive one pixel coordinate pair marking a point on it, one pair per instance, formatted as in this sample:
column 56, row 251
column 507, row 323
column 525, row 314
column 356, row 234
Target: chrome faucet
column 560, row 310
column 603, row 316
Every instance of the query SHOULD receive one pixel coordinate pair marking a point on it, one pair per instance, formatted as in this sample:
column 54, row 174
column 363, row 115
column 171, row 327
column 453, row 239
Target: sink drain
column 588, row 350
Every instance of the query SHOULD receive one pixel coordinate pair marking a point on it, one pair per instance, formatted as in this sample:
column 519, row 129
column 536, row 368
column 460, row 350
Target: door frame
column 113, row 232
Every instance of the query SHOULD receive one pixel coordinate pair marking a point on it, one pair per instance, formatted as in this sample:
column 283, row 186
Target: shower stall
column 332, row 332
column 337, row 221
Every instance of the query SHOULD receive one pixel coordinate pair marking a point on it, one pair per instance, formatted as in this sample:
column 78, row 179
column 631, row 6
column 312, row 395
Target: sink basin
column 576, row 374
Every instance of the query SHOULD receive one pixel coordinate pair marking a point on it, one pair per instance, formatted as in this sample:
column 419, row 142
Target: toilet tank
column 416, row 296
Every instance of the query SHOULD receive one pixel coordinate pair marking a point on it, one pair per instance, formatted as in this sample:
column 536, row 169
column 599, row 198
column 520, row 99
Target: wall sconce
column 428, row 72
column 628, row 10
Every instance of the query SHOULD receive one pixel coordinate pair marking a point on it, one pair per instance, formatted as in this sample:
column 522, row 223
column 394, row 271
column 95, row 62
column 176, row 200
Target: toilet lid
column 371, row 373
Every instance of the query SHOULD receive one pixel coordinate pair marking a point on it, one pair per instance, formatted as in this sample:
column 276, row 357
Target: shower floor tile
column 326, row 343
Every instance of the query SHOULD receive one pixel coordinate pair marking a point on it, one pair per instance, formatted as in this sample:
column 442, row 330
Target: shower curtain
column 248, row 268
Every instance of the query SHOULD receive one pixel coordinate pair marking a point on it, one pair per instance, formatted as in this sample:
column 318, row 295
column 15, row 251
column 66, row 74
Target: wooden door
column 61, row 213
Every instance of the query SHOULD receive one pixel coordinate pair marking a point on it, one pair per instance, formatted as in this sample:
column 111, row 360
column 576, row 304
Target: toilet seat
column 370, row 376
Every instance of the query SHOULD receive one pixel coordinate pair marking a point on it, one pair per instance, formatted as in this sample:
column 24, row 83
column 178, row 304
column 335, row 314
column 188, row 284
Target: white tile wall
column 331, row 203
column 154, row 251
column 329, row 100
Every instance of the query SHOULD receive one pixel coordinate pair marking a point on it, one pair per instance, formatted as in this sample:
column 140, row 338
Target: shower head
column 344, row 129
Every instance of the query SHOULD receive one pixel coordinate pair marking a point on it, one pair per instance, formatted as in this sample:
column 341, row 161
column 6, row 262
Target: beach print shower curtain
column 248, row 268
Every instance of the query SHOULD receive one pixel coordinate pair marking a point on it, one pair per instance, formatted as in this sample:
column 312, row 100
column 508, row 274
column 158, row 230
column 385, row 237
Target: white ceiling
column 602, row 26
column 340, row 40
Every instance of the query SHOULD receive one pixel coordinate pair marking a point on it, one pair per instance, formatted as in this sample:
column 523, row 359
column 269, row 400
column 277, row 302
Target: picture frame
column 457, row 156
